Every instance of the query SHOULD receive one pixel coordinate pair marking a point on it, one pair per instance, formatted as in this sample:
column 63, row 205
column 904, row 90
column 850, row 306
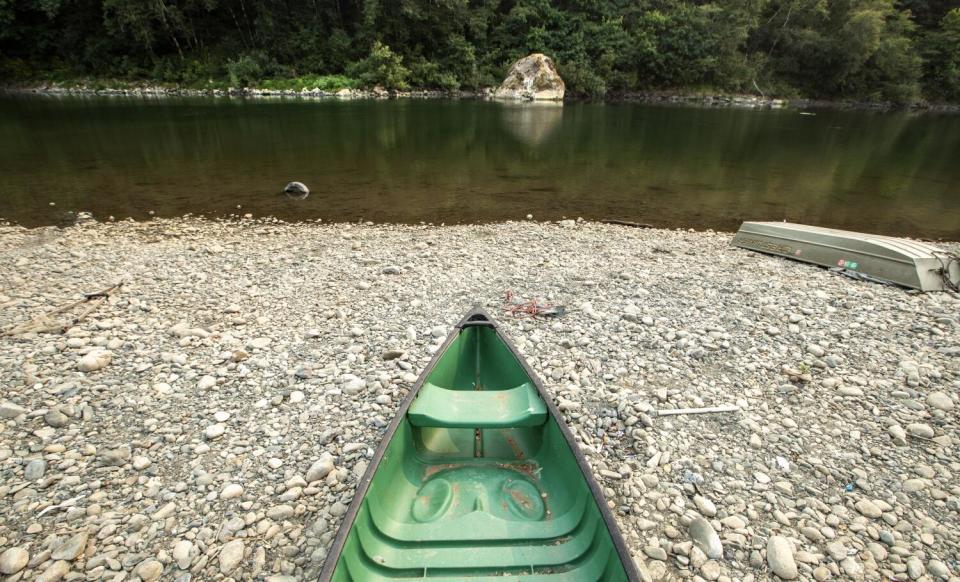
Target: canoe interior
column 478, row 482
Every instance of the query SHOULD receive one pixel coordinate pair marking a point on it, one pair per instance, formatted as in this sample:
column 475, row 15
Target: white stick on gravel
column 708, row 410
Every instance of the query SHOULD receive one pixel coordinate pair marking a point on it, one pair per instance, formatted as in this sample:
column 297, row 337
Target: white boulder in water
column 533, row 77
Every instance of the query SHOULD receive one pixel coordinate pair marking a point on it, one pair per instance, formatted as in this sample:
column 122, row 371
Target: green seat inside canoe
column 440, row 407
column 477, row 483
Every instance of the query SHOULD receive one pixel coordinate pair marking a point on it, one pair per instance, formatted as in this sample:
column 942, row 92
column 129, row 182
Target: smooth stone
column 231, row 491
column 10, row 410
column 655, row 552
column 868, row 508
column 56, row 419
column 780, row 558
column 920, row 430
column 13, row 560
column 320, row 468
column 181, row 553
column 206, row 383
column 56, row 571
column 214, row 431
column 149, row 570
column 705, row 506
column 706, row 538
column 95, row 360
column 140, row 463
column 280, row 512
column 938, row 569
column 915, row 568
column 940, row 401
column 35, row 470
column 230, row 556
column 70, row 549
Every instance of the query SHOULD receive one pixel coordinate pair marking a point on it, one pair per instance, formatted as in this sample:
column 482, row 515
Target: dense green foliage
column 897, row 50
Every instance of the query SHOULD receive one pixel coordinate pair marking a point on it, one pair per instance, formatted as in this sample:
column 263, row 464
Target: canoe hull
column 908, row 263
column 451, row 502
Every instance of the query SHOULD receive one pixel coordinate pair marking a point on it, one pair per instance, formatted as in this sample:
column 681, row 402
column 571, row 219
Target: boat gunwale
column 349, row 518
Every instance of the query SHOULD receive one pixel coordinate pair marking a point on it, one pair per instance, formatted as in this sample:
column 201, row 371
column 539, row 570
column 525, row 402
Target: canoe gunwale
column 476, row 317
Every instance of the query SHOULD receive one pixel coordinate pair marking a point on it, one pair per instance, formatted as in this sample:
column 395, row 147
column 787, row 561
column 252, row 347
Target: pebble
column 56, row 419
column 780, row 558
column 55, row 571
column 207, row 382
column 182, row 554
column 71, row 548
column 149, row 570
column 705, row 506
column 320, row 468
column 868, row 508
column 230, row 556
column 940, row 401
column 95, row 360
column 35, row 470
column 706, row 538
column 214, row 431
column 231, row 491
column 12, row 560
column 10, row 410
column 920, row 430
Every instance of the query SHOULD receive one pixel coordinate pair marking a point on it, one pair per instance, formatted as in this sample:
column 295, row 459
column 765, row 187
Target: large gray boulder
column 533, row 77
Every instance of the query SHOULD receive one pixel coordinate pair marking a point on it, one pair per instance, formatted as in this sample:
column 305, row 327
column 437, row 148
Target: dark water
column 467, row 161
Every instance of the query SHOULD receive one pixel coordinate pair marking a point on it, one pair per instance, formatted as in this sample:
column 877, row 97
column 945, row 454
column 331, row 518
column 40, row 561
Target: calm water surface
column 474, row 161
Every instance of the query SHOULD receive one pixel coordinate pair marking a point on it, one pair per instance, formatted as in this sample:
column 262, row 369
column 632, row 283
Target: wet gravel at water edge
column 211, row 418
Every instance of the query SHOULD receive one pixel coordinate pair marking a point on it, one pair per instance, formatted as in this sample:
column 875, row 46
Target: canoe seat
column 444, row 408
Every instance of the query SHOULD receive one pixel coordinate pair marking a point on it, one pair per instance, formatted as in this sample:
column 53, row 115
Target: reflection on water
column 456, row 161
column 531, row 122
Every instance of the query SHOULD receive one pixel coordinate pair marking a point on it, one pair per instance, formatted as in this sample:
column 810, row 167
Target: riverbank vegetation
column 890, row 50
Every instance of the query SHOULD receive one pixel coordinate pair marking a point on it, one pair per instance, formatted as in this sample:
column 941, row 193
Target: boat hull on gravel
column 478, row 478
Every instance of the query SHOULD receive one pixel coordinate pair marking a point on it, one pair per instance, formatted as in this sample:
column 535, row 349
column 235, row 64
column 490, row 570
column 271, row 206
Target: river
column 478, row 161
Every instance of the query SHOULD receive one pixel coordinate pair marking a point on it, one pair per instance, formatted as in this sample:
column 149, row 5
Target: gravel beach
column 210, row 419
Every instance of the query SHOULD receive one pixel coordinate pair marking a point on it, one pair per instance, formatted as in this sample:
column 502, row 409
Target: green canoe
column 478, row 478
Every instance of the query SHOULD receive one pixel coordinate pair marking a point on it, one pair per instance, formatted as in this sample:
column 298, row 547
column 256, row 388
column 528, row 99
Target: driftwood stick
column 627, row 223
column 43, row 323
column 709, row 410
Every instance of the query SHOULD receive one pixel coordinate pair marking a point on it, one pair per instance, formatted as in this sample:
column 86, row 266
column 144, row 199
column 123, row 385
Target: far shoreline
column 706, row 99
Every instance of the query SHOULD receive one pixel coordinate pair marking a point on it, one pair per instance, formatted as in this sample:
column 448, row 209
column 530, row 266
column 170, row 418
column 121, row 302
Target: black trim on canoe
column 476, row 317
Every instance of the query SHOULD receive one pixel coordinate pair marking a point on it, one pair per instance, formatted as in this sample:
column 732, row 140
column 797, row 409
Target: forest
column 901, row 51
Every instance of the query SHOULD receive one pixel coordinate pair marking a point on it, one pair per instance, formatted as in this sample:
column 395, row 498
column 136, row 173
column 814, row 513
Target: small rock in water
column 297, row 190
